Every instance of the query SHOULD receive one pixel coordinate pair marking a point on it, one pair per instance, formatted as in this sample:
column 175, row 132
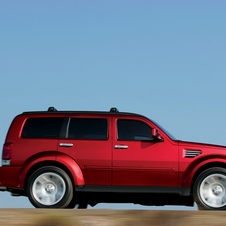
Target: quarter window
column 42, row 127
column 88, row 128
column 133, row 130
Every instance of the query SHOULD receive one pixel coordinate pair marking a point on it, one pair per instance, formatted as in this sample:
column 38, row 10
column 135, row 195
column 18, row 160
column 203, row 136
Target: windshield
column 164, row 130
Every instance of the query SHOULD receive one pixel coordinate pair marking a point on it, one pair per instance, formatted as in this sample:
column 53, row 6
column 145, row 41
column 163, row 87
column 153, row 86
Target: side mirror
column 156, row 135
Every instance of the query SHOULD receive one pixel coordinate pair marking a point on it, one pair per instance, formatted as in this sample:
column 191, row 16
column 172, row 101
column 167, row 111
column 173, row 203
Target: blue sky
column 163, row 59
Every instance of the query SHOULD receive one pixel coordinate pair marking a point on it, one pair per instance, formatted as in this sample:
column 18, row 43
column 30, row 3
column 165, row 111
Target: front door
column 138, row 160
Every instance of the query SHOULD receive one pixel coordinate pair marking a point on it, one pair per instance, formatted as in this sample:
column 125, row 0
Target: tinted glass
column 133, row 130
column 88, row 128
column 42, row 128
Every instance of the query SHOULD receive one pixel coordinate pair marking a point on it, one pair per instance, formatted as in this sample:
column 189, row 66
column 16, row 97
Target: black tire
column 210, row 189
column 72, row 204
column 50, row 187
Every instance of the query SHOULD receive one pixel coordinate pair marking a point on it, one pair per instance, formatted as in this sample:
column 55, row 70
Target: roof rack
column 52, row 109
column 114, row 110
column 111, row 110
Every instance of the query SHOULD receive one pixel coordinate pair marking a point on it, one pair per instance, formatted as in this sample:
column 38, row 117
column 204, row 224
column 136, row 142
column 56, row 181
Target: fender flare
column 186, row 180
column 73, row 167
column 56, row 158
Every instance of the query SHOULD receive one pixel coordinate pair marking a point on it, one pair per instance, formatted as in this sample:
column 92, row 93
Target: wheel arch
column 198, row 167
column 204, row 168
column 62, row 161
column 43, row 164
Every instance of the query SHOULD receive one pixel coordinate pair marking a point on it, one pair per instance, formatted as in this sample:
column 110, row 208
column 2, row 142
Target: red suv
column 60, row 159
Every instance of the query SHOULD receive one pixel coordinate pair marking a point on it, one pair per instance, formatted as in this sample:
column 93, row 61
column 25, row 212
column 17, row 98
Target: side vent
column 191, row 153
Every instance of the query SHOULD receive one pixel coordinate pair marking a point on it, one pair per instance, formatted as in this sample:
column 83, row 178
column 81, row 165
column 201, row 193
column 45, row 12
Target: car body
column 60, row 159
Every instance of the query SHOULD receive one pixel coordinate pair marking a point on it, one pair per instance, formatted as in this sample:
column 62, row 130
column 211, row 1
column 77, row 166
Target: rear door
column 138, row 160
column 88, row 142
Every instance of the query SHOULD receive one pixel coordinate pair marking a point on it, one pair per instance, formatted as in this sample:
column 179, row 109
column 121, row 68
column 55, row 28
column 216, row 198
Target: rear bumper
column 9, row 177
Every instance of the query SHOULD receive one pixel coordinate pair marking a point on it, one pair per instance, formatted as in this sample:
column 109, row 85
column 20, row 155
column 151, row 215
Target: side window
column 88, row 128
column 45, row 127
column 133, row 130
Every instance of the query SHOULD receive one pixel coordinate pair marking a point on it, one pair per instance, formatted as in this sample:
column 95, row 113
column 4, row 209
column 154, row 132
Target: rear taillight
column 6, row 153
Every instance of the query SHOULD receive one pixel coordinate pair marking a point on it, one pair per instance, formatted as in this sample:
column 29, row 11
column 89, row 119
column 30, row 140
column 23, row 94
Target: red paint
column 107, row 162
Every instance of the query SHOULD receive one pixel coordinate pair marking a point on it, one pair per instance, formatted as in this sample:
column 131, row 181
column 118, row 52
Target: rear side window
column 133, row 130
column 88, row 128
column 42, row 127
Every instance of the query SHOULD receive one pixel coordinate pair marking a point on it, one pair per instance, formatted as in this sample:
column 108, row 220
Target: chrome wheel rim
column 49, row 188
column 213, row 190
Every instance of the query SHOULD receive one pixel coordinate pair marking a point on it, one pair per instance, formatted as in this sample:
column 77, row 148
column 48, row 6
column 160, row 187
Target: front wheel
column 210, row 189
column 50, row 187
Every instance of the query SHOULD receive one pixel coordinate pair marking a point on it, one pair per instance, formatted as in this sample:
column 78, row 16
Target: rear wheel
column 210, row 189
column 50, row 187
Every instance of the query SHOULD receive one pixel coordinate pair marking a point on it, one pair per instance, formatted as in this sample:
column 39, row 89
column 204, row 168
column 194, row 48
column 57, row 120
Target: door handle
column 121, row 146
column 66, row 145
